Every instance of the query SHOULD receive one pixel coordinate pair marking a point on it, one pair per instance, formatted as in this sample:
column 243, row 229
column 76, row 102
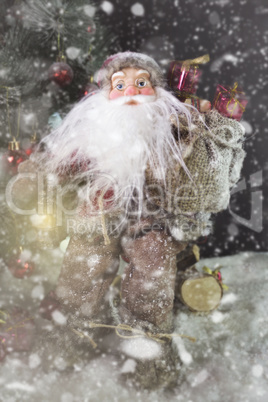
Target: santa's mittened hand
column 203, row 105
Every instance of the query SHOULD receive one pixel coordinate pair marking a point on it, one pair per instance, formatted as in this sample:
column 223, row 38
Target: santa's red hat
column 122, row 60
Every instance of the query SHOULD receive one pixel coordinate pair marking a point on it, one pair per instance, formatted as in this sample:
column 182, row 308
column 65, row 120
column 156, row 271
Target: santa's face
column 131, row 82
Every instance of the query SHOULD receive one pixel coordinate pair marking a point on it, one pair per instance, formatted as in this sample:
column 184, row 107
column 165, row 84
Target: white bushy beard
column 120, row 141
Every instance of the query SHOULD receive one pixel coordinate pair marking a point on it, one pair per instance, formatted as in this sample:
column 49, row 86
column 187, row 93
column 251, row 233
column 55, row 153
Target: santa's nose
column 131, row 90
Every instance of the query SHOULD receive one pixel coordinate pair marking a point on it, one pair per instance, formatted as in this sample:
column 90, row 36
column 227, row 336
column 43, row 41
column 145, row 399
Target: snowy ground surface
column 228, row 362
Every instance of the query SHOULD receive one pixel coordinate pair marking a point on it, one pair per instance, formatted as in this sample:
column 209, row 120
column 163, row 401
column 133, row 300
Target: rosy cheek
column 147, row 91
column 115, row 94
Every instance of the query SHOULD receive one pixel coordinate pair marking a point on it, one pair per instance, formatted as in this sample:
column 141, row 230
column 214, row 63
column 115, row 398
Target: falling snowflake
column 138, row 9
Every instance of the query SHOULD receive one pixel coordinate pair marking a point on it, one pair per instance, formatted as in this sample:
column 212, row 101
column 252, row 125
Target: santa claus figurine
column 148, row 171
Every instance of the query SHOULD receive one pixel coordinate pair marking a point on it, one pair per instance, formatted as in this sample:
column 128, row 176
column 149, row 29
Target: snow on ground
column 228, row 362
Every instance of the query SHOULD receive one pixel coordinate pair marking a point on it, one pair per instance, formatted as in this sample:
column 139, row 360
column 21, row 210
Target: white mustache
column 122, row 100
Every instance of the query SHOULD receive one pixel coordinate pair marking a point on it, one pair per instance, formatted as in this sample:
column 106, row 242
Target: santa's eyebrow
column 143, row 72
column 118, row 74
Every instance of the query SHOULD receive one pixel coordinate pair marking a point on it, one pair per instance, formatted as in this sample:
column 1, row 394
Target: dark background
column 235, row 34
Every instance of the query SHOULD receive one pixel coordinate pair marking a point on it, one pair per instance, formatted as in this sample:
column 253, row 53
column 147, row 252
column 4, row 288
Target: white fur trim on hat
column 122, row 60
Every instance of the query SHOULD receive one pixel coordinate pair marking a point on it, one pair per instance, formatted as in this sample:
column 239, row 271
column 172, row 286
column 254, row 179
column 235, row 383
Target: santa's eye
column 141, row 82
column 120, row 86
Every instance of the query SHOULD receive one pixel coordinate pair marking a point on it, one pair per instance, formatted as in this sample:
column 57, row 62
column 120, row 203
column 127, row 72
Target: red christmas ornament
column 61, row 73
column 90, row 89
column 13, row 157
column 17, row 331
column 20, row 267
column 30, row 150
column 49, row 305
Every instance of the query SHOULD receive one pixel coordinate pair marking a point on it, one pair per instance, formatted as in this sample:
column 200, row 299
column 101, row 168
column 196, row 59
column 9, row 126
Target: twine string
column 137, row 333
column 83, row 335
column 18, row 124
column 60, row 42
column 59, row 39
column 8, row 111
